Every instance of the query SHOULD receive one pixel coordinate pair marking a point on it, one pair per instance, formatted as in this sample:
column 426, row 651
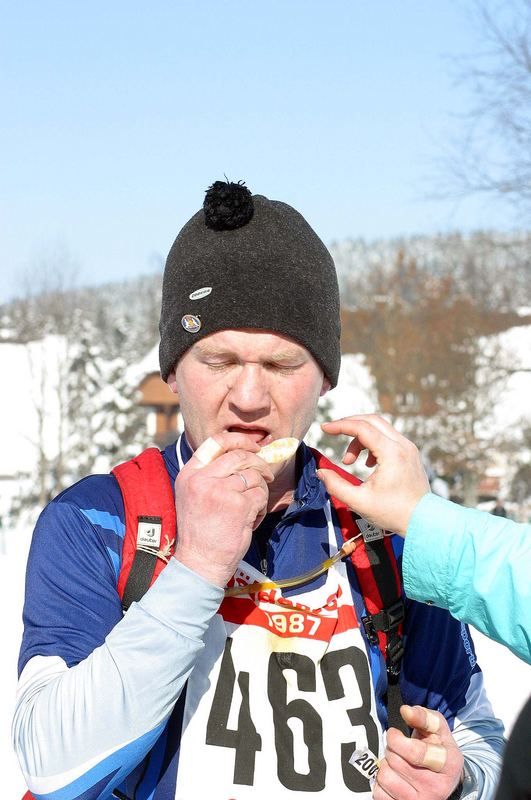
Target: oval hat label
column 191, row 323
column 199, row 293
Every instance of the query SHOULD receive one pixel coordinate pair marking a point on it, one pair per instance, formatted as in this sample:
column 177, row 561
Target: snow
column 507, row 678
column 12, row 567
column 514, row 402
column 355, row 392
column 149, row 364
column 32, row 373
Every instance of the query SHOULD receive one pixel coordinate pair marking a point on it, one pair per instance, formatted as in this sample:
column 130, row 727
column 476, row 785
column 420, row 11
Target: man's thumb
column 207, row 452
column 339, row 487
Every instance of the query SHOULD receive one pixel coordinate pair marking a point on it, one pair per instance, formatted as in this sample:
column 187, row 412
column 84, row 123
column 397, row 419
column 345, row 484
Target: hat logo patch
column 199, row 293
column 191, row 323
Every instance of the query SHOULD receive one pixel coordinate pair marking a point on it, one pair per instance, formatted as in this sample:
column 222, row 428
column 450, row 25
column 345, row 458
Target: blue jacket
column 101, row 695
column 476, row 565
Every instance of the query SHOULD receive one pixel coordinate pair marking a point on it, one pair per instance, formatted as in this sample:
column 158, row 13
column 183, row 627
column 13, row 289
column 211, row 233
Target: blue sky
column 117, row 115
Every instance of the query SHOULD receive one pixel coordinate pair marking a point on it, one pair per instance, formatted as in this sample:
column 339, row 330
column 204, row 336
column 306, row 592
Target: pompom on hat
column 244, row 261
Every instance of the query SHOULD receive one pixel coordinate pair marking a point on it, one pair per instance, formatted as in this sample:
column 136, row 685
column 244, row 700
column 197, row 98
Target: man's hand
column 427, row 766
column 389, row 495
column 217, row 509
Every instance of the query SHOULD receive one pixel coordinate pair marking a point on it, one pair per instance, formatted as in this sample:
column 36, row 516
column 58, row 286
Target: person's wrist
column 406, row 509
column 467, row 786
column 457, row 792
column 411, row 510
column 209, row 570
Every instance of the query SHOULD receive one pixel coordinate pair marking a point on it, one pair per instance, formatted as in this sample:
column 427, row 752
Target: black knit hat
column 244, row 261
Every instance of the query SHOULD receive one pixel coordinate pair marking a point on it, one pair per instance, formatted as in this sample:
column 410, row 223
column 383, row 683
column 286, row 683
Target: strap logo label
column 149, row 532
column 371, row 533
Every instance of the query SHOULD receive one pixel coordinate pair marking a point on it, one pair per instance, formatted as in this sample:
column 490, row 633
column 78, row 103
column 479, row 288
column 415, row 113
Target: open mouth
column 258, row 435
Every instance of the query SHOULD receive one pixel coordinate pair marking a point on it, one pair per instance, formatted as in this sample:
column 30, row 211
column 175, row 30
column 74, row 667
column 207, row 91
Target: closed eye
column 284, row 369
column 219, row 366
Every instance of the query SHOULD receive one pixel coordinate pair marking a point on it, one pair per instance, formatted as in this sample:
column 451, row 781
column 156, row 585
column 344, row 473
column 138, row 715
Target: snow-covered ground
column 513, row 405
column 508, row 679
column 12, row 567
column 33, row 372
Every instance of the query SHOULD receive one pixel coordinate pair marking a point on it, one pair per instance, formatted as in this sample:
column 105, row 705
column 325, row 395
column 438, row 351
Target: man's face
column 262, row 384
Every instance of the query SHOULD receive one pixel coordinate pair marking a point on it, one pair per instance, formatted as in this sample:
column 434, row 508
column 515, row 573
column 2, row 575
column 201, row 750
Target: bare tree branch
column 493, row 154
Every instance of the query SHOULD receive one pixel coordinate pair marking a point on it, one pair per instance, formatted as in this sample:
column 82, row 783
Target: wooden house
column 156, row 397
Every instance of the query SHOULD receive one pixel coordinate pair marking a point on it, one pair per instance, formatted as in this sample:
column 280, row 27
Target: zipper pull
column 263, row 566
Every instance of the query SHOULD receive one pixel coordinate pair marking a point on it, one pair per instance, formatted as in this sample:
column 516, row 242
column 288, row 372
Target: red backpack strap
column 150, row 523
column 379, row 579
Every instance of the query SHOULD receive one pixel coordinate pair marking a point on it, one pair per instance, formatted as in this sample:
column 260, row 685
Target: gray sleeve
column 72, row 725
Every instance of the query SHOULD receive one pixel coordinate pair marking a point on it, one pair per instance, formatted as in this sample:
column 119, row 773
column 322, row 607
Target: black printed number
column 245, row 739
column 330, row 666
column 296, row 715
column 283, row 712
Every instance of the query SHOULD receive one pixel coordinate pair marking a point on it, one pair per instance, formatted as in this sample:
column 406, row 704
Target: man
column 201, row 692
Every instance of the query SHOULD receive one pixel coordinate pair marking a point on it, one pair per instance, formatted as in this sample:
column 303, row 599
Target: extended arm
column 473, row 564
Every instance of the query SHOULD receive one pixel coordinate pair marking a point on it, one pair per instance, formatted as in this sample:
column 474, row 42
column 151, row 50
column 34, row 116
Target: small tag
column 365, row 762
column 199, row 293
column 371, row 533
column 149, row 532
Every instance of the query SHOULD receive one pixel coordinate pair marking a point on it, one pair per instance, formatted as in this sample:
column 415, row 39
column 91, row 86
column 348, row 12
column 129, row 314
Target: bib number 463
column 246, row 741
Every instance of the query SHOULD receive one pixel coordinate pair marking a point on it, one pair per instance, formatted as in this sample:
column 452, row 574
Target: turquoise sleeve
column 474, row 564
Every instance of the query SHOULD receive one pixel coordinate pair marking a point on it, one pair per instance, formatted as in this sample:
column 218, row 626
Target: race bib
column 280, row 698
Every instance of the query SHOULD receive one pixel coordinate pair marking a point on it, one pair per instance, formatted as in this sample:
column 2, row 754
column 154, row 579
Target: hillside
column 427, row 316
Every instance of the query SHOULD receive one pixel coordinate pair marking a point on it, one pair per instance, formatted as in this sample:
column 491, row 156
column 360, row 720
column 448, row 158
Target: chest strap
column 380, row 585
column 149, row 542
column 150, row 523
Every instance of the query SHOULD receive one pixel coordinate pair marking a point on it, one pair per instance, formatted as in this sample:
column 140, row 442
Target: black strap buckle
column 370, row 630
column 387, row 620
column 393, row 616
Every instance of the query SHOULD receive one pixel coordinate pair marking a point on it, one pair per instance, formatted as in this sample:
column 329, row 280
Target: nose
column 249, row 391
